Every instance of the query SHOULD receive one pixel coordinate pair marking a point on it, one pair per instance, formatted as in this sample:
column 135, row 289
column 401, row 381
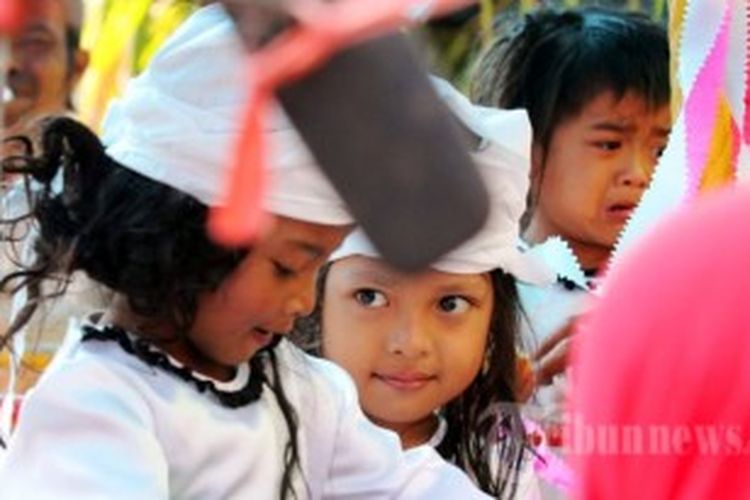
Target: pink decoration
column 736, row 141
column 547, row 465
column 702, row 104
column 664, row 363
column 11, row 15
column 746, row 127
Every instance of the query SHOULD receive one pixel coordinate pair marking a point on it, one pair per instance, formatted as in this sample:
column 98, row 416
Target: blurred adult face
column 43, row 68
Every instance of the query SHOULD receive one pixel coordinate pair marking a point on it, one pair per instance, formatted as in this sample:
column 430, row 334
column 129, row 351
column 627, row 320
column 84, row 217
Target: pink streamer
column 547, row 465
column 702, row 104
column 736, row 140
column 746, row 119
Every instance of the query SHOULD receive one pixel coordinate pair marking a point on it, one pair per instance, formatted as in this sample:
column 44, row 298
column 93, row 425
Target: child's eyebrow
column 313, row 251
column 373, row 276
column 627, row 128
column 609, row 126
column 478, row 285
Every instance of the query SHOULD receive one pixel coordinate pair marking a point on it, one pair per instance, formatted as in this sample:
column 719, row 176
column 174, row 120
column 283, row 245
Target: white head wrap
column 503, row 160
column 177, row 123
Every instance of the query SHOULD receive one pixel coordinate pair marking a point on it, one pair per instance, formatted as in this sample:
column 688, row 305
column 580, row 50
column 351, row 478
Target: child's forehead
column 359, row 268
column 317, row 240
column 614, row 107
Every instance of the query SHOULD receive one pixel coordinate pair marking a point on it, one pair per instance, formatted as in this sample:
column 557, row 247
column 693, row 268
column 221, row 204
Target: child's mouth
column 262, row 335
column 405, row 381
column 621, row 211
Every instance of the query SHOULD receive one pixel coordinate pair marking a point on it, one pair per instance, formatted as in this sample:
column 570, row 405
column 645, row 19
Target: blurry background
column 122, row 35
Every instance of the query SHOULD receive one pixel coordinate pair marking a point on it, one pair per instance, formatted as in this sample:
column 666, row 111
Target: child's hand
column 552, row 356
column 525, row 378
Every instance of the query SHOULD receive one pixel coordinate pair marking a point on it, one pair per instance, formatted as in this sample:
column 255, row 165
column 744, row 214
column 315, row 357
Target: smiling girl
column 434, row 354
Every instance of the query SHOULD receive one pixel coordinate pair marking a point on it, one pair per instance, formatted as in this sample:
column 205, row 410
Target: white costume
column 547, row 309
column 502, row 159
column 528, row 483
column 103, row 424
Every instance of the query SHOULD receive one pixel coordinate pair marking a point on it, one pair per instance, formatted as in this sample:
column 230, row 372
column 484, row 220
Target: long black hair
column 140, row 238
column 485, row 434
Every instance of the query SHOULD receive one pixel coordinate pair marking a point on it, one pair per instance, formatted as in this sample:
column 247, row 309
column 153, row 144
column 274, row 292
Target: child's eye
column 659, row 151
column 283, row 271
column 370, row 298
column 454, row 304
column 608, row 145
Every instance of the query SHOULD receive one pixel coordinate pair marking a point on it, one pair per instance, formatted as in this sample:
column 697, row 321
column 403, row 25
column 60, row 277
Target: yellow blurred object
column 676, row 19
column 28, row 373
column 31, row 360
column 121, row 36
column 724, row 141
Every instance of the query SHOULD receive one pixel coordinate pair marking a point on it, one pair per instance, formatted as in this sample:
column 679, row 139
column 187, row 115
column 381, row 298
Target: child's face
column 411, row 343
column 597, row 166
column 269, row 289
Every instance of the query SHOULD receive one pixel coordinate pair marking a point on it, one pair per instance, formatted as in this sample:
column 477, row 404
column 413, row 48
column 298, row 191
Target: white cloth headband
column 177, row 124
column 503, row 161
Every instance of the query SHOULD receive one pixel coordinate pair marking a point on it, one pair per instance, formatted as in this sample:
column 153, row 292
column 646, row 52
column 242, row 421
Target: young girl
column 595, row 83
column 434, row 354
column 184, row 387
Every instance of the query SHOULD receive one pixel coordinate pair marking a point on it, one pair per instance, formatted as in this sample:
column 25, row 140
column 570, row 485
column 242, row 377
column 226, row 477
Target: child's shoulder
column 94, row 371
column 324, row 377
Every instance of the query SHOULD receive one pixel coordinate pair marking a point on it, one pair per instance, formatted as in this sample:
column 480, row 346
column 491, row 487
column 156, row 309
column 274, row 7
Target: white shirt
column 102, row 424
column 528, row 483
column 546, row 310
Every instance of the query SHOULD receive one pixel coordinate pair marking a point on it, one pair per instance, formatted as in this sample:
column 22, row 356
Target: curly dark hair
column 486, row 406
column 140, row 238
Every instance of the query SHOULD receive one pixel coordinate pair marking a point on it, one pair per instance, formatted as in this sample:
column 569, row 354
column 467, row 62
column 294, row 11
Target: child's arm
column 83, row 434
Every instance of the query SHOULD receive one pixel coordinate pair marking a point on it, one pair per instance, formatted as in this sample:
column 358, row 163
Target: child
column 434, row 354
column 184, row 387
column 596, row 86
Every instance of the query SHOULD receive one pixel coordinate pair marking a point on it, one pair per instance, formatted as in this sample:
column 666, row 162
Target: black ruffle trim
column 147, row 353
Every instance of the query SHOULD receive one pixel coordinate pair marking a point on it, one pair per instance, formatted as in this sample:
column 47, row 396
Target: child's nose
column 636, row 171
column 410, row 338
column 302, row 302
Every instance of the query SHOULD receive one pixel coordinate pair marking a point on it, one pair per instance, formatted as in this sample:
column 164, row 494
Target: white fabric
column 547, row 309
column 503, row 160
column 102, row 424
column 528, row 482
column 178, row 122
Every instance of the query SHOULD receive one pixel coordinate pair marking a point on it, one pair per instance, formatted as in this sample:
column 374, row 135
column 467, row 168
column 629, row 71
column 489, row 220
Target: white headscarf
column 503, row 160
column 177, row 123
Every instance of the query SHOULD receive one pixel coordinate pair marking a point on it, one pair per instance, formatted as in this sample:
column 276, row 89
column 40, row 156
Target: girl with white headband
column 184, row 387
column 434, row 354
